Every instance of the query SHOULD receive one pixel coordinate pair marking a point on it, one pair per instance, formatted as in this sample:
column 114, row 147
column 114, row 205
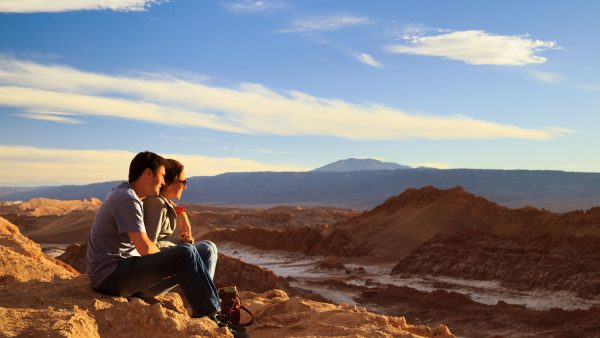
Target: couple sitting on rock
column 141, row 244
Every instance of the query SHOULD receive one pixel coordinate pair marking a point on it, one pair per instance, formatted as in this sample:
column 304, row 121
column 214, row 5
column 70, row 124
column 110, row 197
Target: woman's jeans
column 207, row 250
column 182, row 265
column 209, row 253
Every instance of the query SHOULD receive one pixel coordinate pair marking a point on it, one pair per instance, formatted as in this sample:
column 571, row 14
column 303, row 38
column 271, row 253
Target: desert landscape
column 446, row 261
column 365, row 168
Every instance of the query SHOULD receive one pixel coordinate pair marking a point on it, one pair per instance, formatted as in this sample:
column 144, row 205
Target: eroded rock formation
column 40, row 296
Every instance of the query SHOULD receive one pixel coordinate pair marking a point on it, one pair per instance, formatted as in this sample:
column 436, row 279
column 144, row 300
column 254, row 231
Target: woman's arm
column 154, row 213
column 184, row 226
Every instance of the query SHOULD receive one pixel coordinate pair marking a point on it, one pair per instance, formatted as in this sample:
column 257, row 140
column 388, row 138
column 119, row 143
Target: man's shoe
column 216, row 317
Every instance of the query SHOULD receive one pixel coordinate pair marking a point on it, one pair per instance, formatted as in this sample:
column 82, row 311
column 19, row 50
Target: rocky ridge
column 548, row 262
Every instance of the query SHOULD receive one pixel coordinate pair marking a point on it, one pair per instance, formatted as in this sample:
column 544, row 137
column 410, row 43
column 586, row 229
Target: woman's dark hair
column 174, row 169
column 142, row 161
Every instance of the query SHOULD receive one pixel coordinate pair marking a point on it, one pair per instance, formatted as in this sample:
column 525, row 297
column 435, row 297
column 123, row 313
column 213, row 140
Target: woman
column 167, row 224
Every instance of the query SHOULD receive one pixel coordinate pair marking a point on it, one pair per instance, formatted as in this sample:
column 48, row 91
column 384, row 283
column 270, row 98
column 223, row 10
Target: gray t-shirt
column 160, row 219
column 108, row 244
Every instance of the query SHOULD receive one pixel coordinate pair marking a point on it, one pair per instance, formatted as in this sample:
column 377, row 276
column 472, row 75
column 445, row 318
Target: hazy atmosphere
column 232, row 86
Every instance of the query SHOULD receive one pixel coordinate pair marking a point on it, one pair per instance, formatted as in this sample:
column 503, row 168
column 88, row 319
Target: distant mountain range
column 354, row 164
column 554, row 190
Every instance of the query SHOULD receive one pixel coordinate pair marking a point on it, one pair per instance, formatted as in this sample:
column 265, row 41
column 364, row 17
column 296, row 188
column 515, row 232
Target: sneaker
column 216, row 317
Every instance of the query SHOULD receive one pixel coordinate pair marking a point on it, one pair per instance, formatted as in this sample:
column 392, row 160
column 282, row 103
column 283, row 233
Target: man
column 123, row 261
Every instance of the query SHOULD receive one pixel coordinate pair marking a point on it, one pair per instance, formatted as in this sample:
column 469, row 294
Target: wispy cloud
column 367, row 59
column 35, row 6
column 256, row 150
column 476, row 47
column 402, row 32
column 252, row 6
column 325, row 23
column 32, row 166
column 545, row 77
column 249, row 108
column 49, row 116
column 186, row 139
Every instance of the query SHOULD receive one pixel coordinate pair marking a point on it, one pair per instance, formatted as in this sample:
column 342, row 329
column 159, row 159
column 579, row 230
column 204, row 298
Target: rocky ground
column 40, row 296
column 547, row 262
column 468, row 318
column 276, row 218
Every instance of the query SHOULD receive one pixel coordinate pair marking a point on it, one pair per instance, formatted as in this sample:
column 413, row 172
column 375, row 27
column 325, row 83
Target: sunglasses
column 183, row 181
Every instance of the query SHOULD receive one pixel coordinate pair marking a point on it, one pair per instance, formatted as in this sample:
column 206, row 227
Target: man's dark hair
column 142, row 161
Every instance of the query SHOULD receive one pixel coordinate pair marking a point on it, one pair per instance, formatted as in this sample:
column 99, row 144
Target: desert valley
column 446, row 261
column 363, row 168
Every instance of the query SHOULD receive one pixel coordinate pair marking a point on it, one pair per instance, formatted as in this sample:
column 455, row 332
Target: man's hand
column 142, row 243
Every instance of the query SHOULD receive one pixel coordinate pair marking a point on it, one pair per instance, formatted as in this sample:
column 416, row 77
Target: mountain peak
column 356, row 164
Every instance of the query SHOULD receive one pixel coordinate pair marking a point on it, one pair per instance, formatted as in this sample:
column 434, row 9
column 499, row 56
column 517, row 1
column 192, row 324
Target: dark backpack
column 231, row 305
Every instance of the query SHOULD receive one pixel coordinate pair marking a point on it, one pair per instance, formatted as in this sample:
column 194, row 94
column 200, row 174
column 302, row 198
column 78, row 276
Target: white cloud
column 367, row 59
column 186, row 139
column 545, row 77
column 34, row 6
column 250, row 108
column 32, row 166
column 476, row 47
column 256, row 150
column 51, row 117
column 252, row 6
column 325, row 23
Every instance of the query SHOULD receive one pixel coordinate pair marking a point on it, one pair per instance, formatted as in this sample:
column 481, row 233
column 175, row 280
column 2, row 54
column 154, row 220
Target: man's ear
column 148, row 172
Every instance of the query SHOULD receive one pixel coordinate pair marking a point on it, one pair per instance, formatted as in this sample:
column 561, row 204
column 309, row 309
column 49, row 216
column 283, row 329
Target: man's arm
column 142, row 243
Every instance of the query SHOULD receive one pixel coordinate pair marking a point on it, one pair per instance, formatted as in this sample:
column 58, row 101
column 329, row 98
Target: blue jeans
column 153, row 274
column 209, row 253
column 207, row 250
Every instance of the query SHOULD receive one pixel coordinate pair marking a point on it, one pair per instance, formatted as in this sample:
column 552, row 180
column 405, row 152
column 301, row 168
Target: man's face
column 158, row 180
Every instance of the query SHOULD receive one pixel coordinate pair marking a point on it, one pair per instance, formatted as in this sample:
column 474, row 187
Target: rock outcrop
column 472, row 319
column 52, row 221
column 404, row 222
column 280, row 217
column 548, row 262
column 305, row 240
column 40, row 296
column 50, row 207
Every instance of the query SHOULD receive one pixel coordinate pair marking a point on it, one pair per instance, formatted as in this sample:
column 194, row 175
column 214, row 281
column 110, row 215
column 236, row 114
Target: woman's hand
column 185, row 238
column 185, row 229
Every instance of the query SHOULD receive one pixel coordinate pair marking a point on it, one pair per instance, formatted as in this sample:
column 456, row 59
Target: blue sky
column 292, row 85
